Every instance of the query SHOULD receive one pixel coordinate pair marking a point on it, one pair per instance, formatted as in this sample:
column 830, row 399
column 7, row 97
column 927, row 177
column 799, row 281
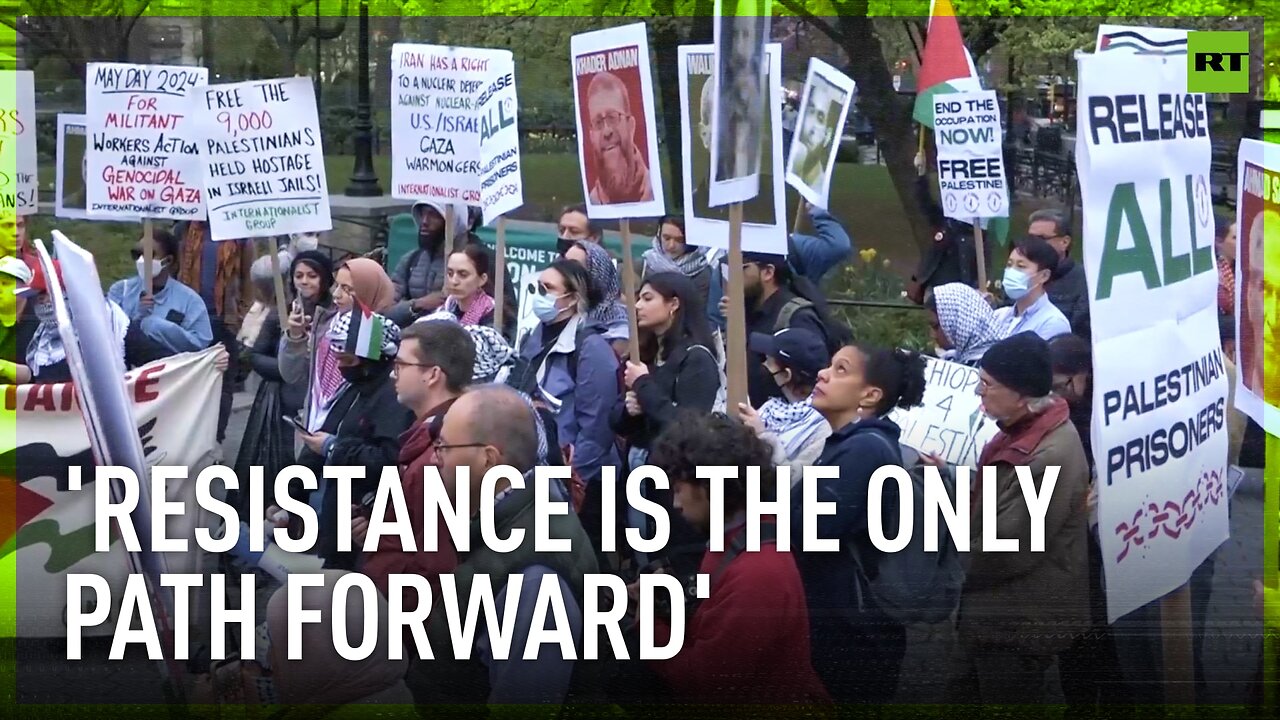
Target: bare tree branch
column 801, row 11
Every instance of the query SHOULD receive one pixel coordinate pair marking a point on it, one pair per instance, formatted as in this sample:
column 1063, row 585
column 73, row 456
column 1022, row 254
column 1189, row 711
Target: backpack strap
column 737, row 546
column 791, row 307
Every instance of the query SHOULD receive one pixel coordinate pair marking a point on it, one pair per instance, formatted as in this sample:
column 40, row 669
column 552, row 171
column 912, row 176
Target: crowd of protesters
column 452, row 382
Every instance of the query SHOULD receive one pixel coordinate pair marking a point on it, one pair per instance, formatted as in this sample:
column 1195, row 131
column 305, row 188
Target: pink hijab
column 371, row 283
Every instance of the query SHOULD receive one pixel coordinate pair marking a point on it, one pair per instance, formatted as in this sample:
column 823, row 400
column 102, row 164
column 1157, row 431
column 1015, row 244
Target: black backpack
column 834, row 333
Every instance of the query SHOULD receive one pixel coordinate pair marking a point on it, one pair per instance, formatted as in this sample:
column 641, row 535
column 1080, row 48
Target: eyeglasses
column 608, row 120
column 440, row 447
column 398, row 363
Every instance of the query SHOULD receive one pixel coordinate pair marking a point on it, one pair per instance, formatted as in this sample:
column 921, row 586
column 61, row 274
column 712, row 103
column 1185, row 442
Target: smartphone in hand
column 296, row 423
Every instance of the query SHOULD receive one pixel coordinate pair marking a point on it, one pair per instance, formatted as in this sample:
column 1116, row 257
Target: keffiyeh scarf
column 480, row 306
column 795, row 424
column 604, row 275
column 492, row 352
column 46, row 348
column 688, row 264
column 968, row 321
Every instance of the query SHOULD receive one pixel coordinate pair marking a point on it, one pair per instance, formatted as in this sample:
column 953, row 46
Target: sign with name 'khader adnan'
column 1160, row 383
column 142, row 159
column 435, row 129
column 263, row 159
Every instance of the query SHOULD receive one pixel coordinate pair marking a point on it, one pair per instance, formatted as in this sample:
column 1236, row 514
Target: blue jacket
column 831, row 579
column 179, row 320
column 580, row 404
column 812, row 256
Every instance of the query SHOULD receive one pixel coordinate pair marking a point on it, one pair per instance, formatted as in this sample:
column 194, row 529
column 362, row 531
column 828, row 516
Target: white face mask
column 157, row 267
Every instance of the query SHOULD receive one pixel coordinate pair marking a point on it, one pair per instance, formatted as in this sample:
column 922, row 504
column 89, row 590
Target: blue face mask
column 1016, row 283
column 544, row 308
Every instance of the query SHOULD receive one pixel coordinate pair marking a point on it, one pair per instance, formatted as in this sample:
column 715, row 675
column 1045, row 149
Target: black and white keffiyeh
column 968, row 321
column 795, row 424
column 492, row 352
column 690, row 264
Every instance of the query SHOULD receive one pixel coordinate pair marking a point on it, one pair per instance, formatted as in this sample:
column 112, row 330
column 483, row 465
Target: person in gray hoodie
column 419, row 276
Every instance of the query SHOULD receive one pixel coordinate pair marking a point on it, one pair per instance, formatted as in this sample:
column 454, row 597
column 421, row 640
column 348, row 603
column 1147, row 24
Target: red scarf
column 1013, row 445
column 481, row 305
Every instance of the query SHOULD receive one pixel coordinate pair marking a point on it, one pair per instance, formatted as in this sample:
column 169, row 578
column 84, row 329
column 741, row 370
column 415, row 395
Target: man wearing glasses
column 621, row 174
column 1067, row 288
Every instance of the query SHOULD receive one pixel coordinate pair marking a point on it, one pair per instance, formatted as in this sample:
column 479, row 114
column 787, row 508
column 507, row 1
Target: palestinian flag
column 946, row 66
column 1142, row 40
column 364, row 335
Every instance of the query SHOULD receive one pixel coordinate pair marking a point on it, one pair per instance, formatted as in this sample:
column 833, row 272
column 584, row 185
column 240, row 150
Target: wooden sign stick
column 449, row 238
column 982, row 255
column 148, row 252
column 736, row 347
column 500, row 274
column 629, row 290
column 282, row 300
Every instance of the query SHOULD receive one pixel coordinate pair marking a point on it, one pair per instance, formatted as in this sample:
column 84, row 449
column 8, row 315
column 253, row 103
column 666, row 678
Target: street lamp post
column 364, row 181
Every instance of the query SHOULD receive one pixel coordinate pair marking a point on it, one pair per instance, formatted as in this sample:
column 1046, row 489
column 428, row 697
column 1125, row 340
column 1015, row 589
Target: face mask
column 1016, row 283
column 544, row 307
column 44, row 312
column 157, row 267
column 356, row 373
column 564, row 245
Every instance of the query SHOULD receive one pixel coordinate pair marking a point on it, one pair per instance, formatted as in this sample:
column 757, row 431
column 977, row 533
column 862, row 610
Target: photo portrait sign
column 764, row 226
column 742, row 91
column 824, row 105
column 1257, row 283
column 617, row 132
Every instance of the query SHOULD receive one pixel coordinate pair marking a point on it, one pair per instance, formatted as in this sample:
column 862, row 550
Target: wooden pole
column 1175, row 632
column 629, row 290
column 282, row 300
column 736, row 347
column 449, row 235
column 500, row 274
column 148, row 252
column 795, row 227
column 982, row 255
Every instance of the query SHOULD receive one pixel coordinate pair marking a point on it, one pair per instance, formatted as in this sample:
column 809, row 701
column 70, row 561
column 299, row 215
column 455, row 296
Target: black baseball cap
column 796, row 349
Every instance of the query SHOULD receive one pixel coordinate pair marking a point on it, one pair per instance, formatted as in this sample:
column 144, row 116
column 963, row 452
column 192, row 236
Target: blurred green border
column 160, row 8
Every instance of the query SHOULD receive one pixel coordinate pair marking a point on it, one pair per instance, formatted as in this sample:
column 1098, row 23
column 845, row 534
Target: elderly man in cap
column 1018, row 610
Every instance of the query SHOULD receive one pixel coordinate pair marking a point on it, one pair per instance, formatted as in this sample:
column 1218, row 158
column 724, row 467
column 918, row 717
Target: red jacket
column 749, row 641
column 416, row 454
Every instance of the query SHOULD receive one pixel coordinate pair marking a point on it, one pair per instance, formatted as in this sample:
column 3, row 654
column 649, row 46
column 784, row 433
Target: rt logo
column 1218, row 62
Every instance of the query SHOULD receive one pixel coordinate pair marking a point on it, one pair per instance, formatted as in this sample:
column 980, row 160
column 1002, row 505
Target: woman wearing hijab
column 323, row 683
column 609, row 312
column 671, row 253
column 962, row 322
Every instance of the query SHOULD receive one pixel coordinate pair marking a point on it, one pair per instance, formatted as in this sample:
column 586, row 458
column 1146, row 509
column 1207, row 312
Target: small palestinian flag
column 365, row 333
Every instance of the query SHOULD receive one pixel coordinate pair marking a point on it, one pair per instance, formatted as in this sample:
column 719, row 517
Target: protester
column 432, row 368
column 489, row 426
column 365, row 431
column 15, row 314
column 855, row 394
column 747, row 642
column 307, row 367
column 771, row 305
column 610, row 310
column 169, row 313
column 1031, row 263
column 221, row 272
column 671, row 253
column 1224, row 236
column 1018, row 610
column 323, row 677
column 1067, row 288
column 420, row 275
column 466, row 300
column 962, row 323
column 796, row 432
column 952, row 257
column 46, row 356
column 576, row 226
column 566, row 364
column 264, row 301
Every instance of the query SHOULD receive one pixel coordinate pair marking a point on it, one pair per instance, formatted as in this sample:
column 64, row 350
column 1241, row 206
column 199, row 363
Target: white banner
column 1160, row 385
column 950, row 423
column 263, row 159
column 824, row 105
column 18, row 183
column 435, row 130
column 501, row 184
column 54, row 526
column 1257, row 283
column 971, row 174
column 142, row 151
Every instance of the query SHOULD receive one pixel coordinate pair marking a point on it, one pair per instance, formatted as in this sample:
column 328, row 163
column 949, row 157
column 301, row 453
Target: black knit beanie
column 1022, row 364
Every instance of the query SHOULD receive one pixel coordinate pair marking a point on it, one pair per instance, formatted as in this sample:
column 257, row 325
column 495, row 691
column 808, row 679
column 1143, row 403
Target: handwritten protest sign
column 435, row 131
column 950, row 423
column 970, row 155
column 142, row 148
column 18, row 143
column 501, row 186
column 263, row 159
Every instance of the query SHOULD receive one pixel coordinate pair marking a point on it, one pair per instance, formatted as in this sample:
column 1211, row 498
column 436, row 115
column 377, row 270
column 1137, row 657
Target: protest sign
column 53, row 534
column 824, row 105
column 18, row 184
column 764, row 217
column 435, row 130
column 971, row 174
column 142, row 141
column 950, row 423
column 737, row 128
column 1160, row 384
column 617, row 133
column 1133, row 40
column 71, row 189
column 1257, row 282
column 501, row 185
column 263, row 159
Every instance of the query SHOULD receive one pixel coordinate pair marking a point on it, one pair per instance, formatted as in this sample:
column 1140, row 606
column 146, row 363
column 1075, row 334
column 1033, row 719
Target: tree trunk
column 889, row 115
